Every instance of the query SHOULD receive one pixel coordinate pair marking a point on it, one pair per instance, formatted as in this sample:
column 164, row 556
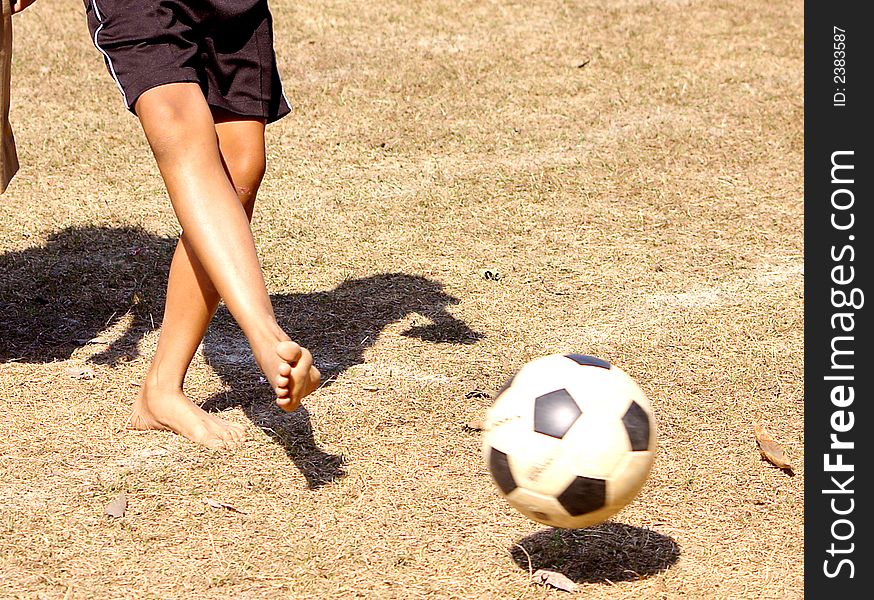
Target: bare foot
column 171, row 410
column 289, row 368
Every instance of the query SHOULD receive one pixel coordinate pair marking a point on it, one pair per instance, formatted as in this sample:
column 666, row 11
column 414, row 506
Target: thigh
column 179, row 127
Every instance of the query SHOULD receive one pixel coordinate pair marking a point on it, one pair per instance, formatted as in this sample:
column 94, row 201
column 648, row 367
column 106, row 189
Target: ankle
column 155, row 382
column 267, row 337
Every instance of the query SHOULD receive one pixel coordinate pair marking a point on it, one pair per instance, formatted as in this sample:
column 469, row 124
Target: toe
column 238, row 434
column 287, row 404
column 231, row 441
column 284, row 370
column 288, row 351
column 215, row 442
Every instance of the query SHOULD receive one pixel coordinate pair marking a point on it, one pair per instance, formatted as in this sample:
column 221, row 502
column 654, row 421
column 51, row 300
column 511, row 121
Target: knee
column 169, row 124
column 167, row 139
column 246, row 171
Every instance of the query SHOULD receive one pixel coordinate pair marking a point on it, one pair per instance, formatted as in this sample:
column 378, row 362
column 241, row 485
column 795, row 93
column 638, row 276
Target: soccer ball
column 569, row 440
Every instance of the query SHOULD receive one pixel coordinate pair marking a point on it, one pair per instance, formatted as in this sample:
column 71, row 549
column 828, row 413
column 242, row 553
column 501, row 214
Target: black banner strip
column 839, row 52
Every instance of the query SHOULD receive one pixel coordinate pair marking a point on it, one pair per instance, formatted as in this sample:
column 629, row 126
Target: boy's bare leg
column 191, row 303
column 182, row 133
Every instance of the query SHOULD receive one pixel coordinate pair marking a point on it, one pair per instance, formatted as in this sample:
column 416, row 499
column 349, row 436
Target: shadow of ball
column 608, row 552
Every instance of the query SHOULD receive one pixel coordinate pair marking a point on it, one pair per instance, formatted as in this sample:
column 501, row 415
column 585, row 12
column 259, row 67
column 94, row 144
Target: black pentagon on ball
column 583, row 496
column 636, row 423
column 555, row 413
column 499, row 466
column 588, row 361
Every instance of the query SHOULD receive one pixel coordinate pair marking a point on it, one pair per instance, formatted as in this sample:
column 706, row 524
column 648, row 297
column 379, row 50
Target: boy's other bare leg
column 181, row 131
column 191, row 303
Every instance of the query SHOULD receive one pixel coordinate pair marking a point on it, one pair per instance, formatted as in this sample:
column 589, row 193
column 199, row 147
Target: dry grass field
column 631, row 167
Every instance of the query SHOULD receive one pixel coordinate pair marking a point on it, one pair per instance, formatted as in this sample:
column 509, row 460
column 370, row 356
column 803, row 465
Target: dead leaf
column 117, row 507
column 554, row 579
column 217, row 504
column 475, row 425
column 771, row 451
column 80, row 373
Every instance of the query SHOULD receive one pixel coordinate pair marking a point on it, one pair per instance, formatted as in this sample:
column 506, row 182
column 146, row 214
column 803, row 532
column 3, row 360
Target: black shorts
column 226, row 46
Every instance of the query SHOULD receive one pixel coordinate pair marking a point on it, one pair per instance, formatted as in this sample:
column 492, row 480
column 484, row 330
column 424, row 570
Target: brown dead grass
column 633, row 167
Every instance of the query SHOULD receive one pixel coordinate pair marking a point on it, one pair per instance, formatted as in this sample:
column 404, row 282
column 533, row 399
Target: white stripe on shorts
column 103, row 52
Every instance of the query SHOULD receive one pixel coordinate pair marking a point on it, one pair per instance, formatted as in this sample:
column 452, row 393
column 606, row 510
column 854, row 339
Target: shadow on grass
column 337, row 326
column 604, row 553
column 57, row 297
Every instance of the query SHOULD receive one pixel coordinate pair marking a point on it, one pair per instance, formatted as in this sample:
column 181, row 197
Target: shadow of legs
column 337, row 326
column 293, row 431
